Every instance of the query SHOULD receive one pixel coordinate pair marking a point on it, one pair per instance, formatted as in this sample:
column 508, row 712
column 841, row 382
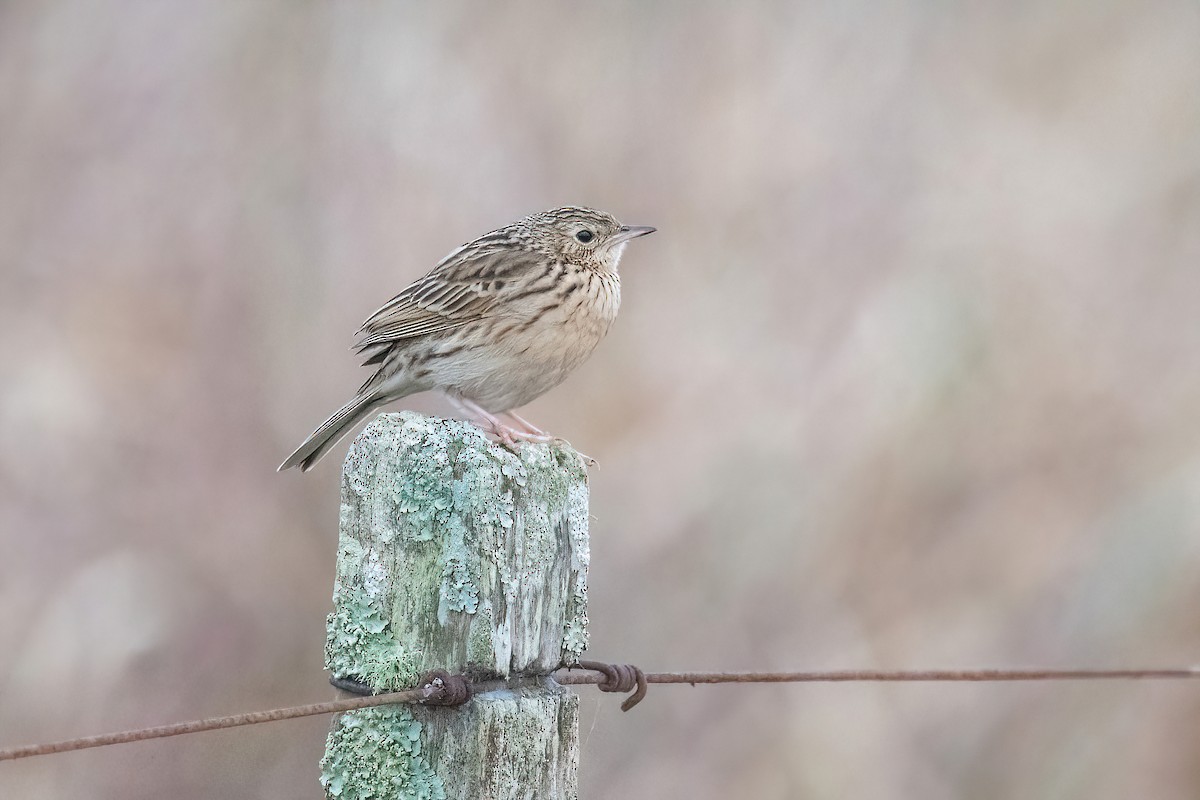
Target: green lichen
column 460, row 554
column 452, row 494
column 480, row 646
column 437, row 497
column 375, row 754
column 359, row 644
column 459, row 590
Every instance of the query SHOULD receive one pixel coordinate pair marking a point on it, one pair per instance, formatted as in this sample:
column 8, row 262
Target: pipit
column 498, row 322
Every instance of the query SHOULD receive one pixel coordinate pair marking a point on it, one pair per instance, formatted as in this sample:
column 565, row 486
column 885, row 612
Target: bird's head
column 583, row 236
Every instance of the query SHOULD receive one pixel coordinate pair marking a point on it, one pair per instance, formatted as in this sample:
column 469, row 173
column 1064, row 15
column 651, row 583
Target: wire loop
column 620, row 678
column 454, row 689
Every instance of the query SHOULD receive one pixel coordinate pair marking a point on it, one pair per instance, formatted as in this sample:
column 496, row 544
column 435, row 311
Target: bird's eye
column 585, row 236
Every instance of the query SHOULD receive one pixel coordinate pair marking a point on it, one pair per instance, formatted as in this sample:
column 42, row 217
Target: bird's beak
column 628, row 232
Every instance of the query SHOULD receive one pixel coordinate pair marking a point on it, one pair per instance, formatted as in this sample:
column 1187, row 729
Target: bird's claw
column 512, row 438
column 585, row 461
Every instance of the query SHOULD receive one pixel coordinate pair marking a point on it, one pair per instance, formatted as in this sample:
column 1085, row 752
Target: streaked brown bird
column 497, row 323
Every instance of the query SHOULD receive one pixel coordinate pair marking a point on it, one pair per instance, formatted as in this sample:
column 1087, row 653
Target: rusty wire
column 217, row 723
column 896, row 676
column 437, row 693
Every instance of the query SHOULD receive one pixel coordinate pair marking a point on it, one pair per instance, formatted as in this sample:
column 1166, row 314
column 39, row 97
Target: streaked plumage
column 498, row 322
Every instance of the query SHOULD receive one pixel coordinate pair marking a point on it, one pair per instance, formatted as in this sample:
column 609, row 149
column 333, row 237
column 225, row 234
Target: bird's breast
column 532, row 350
column 566, row 328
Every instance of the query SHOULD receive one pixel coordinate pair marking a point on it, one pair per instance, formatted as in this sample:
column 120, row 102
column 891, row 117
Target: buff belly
column 532, row 362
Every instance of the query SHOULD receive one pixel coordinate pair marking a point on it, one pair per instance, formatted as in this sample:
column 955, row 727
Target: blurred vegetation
column 908, row 377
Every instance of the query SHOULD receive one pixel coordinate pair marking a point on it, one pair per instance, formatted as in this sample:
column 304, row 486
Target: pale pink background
column 909, row 377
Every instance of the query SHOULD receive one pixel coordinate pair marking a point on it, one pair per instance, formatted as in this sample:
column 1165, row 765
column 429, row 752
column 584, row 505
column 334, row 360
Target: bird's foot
column 585, row 460
column 536, row 434
column 537, row 438
column 511, row 437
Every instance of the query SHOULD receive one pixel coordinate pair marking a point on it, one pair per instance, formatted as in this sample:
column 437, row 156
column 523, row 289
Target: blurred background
column 907, row 378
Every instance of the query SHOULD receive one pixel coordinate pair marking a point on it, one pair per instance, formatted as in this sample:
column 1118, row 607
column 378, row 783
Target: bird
column 497, row 323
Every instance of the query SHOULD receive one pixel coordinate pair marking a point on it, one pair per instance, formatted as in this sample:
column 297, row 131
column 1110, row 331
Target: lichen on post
column 456, row 553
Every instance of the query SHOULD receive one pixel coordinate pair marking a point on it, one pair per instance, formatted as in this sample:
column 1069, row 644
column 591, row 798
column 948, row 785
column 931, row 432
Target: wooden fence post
column 455, row 553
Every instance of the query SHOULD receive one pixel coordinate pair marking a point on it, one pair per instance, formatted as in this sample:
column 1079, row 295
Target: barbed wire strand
column 573, row 677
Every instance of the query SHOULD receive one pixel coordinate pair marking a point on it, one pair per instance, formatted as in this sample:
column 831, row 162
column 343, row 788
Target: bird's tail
column 331, row 431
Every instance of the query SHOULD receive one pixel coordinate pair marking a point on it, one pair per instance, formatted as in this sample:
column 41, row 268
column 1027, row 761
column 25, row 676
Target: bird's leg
column 490, row 422
column 533, row 432
column 542, row 436
column 508, row 435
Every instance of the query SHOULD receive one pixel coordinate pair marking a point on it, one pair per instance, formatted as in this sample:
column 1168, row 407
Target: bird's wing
column 463, row 288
